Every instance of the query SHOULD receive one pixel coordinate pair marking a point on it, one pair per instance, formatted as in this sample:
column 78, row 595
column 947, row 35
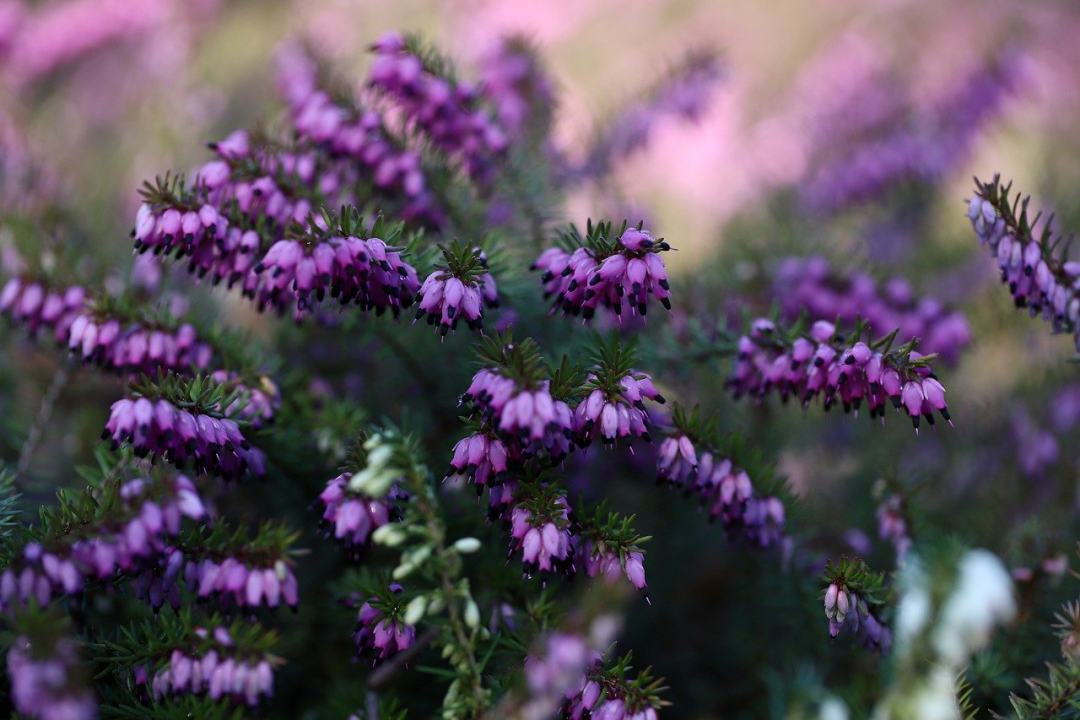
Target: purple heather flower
column 256, row 404
column 32, row 304
column 42, row 685
column 514, row 82
column 556, row 670
column 808, row 285
column 613, row 566
column 818, row 364
column 243, row 583
column 1045, row 284
column 892, row 524
column 528, row 420
column 351, row 516
column 447, row 299
column 157, row 428
column 844, row 608
column 677, row 460
column 380, row 636
column 480, row 456
column 220, row 672
column 366, row 272
column 355, row 134
column 445, row 111
column 632, row 274
column 137, row 536
column 619, row 417
column 134, row 348
column 546, row 545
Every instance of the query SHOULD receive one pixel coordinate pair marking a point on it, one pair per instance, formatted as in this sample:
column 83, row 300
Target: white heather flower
column 913, row 608
column 982, row 598
column 833, row 708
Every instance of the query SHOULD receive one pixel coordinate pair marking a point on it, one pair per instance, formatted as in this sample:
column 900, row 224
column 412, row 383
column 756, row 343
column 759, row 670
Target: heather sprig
column 611, row 547
column 614, row 691
column 1033, row 260
column 823, row 362
column 854, row 597
column 48, row 679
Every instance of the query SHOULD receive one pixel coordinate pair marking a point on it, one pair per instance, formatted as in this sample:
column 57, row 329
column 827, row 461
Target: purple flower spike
column 42, row 682
column 31, row 304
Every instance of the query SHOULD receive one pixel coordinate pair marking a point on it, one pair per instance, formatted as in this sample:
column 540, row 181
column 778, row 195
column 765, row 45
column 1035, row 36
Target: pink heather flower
column 367, row 272
column 217, row 673
column 612, row 566
column 380, row 636
column 235, row 581
column 514, row 82
column 353, row 134
column 820, row 365
column 1045, row 284
column 136, row 536
column 443, row 110
column 630, row 274
column 35, row 306
column 351, row 517
column 159, row 429
column 527, row 420
column 447, row 299
column 844, row 608
column 132, row 348
column 677, row 460
column 42, row 682
column 546, row 545
column 616, row 417
column 809, row 285
column 481, row 457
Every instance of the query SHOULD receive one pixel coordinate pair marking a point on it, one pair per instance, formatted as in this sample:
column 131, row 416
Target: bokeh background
column 769, row 167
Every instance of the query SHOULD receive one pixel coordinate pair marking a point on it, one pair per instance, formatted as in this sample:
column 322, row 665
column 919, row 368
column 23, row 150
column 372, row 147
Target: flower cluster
column 540, row 531
column 255, row 404
column 514, row 398
column 158, row 428
column 612, row 565
column 809, row 285
column 606, row 693
column 134, row 530
column 1039, row 279
column 482, row 456
column 844, row 608
column 600, row 270
column 367, row 272
column 615, row 412
column 216, row 670
column 441, row 108
column 822, row 363
column 244, row 582
column 353, row 133
column 135, row 348
column 458, row 290
column 723, row 488
column 42, row 685
column 37, row 307
column 380, row 631
column 352, row 516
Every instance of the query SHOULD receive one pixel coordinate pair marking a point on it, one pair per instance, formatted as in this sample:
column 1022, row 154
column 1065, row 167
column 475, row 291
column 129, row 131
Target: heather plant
column 251, row 483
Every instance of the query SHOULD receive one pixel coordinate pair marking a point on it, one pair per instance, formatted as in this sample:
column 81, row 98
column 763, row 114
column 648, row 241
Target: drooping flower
column 845, row 608
column 615, row 412
column 244, row 582
column 350, row 516
column 821, row 363
column 809, row 285
column 132, row 534
column 600, row 270
column 443, row 109
column 37, row 307
column 482, row 457
column 380, row 630
column 1039, row 278
column 131, row 347
column 457, row 290
column 214, row 667
column 540, row 531
column 160, row 429
column 43, row 682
